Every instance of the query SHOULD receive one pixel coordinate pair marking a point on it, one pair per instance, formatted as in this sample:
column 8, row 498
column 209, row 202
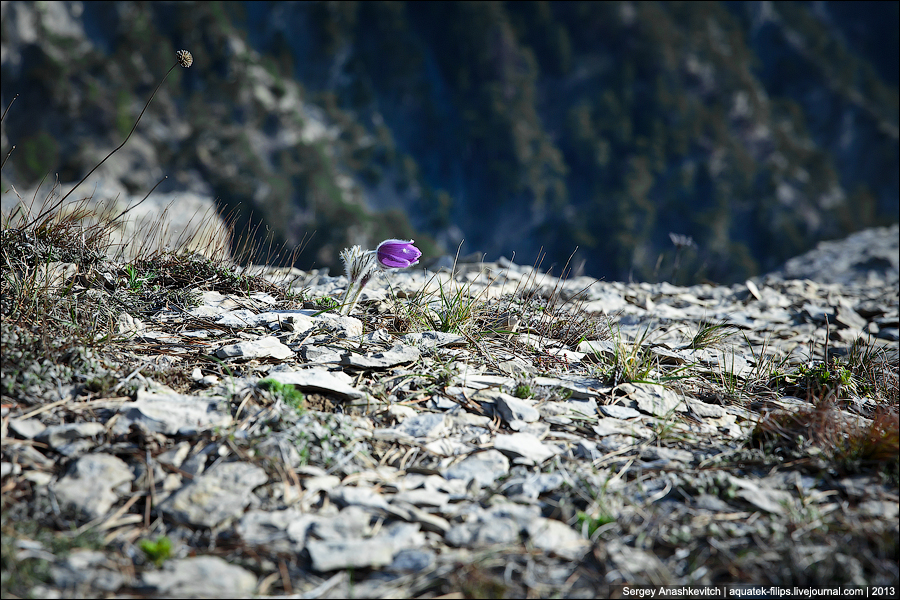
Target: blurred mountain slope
column 753, row 130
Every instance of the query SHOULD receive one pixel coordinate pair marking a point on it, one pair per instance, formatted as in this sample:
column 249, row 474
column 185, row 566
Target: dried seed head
column 184, row 58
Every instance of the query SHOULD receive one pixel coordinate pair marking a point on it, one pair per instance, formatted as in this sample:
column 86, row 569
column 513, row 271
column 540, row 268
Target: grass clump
column 588, row 524
column 288, row 394
column 710, row 334
column 847, row 443
column 523, row 390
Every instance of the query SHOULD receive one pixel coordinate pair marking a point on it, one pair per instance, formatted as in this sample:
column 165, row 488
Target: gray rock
column 619, row 412
column 667, row 457
column 484, row 467
column 357, row 496
column 412, row 561
column 270, row 528
column 483, row 533
column 397, row 355
column 219, row 494
column 847, row 316
column 320, row 354
column 90, row 568
column 237, row 318
column 379, row 551
column 340, row 326
column 423, row 497
column 553, row 536
column 847, row 261
column 524, row 448
column 635, row 564
column 280, row 448
column 702, row 409
column 352, row 522
column 175, row 457
column 426, row 520
column 267, row 347
column 534, row 485
column 433, row 339
column 538, row 430
column 350, row 554
column 71, row 439
column 881, row 509
column 892, row 334
column 509, row 407
column 439, row 402
column 819, row 314
column 712, row 503
column 580, row 388
column 26, row 428
column 319, row 380
column 424, row 425
column 610, row 426
column 653, row 400
column 172, row 414
column 91, row 484
column 763, row 497
column 200, row 577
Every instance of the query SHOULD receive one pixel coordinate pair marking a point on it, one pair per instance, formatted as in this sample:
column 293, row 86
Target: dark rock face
column 753, row 130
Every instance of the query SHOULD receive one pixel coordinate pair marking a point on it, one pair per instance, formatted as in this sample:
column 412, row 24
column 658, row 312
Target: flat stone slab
column 70, row 438
column 399, row 354
column 219, row 494
column 554, row 536
column 653, row 400
column 267, row 347
column 320, row 380
column 484, row 467
column 425, row 425
column 523, row 448
column 509, row 407
column 200, row 577
column 172, row 414
column 433, row 339
column 619, row 412
column 349, row 554
column 497, row 531
column 90, row 484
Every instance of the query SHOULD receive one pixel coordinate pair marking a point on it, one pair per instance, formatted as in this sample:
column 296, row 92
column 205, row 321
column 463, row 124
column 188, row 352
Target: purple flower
column 397, row 254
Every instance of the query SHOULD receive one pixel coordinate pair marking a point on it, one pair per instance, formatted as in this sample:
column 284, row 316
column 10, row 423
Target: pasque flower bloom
column 360, row 264
column 397, row 254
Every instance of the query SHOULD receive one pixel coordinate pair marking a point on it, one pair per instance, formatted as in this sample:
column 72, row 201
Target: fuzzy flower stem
column 359, row 266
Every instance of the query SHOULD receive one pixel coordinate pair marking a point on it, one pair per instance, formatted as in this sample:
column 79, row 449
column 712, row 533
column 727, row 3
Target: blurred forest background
column 719, row 137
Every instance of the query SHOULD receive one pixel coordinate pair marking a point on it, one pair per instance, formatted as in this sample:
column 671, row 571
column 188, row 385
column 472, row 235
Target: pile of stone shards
column 499, row 461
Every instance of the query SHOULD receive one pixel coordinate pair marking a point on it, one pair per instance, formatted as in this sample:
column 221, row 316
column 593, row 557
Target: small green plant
column 817, row 379
column 157, row 550
column 326, row 303
column 286, row 392
column 590, row 523
column 135, row 279
column 523, row 390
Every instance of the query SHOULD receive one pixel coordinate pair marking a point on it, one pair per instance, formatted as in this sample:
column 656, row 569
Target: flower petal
column 397, row 254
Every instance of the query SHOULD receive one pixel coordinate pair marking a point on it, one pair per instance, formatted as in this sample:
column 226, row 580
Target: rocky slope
column 491, row 432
